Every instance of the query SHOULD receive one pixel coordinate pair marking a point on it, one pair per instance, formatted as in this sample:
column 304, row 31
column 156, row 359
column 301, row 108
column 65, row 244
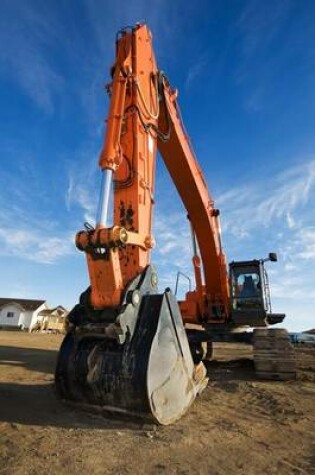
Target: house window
column 10, row 314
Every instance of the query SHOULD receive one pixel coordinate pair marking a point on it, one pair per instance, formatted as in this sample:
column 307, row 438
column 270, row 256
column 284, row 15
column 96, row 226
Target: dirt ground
column 239, row 425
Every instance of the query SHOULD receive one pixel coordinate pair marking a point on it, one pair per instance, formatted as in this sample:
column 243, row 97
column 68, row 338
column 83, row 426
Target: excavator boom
column 209, row 301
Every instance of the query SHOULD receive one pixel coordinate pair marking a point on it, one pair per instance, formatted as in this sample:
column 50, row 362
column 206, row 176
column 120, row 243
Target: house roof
column 45, row 312
column 49, row 311
column 26, row 304
column 61, row 308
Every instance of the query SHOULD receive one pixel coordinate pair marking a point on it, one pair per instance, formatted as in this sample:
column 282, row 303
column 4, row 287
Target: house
column 51, row 319
column 20, row 313
column 31, row 315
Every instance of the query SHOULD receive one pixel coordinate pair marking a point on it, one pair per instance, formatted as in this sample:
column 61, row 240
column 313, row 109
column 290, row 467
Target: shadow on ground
column 36, row 403
column 33, row 359
column 241, row 369
column 31, row 400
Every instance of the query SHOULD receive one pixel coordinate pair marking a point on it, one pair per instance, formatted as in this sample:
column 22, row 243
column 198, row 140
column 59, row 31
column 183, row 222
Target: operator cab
column 250, row 294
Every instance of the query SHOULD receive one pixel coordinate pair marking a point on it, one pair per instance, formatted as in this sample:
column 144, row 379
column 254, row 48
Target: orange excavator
column 130, row 348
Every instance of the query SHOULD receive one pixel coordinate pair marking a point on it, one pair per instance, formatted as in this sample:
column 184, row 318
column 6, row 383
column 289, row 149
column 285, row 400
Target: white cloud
column 78, row 193
column 83, row 188
column 307, row 239
column 289, row 285
column 290, row 220
column 172, row 235
column 31, row 226
column 35, row 245
column 173, row 250
column 275, row 215
column 280, row 198
column 301, row 245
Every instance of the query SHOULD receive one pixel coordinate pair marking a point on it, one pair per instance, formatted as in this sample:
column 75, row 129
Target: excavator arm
column 127, row 349
column 144, row 115
column 128, row 156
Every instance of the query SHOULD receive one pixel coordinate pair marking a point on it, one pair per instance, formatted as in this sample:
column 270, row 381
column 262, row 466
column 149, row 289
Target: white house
column 20, row 313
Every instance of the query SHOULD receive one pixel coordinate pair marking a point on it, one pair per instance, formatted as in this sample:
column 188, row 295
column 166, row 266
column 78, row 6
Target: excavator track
column 274, row 355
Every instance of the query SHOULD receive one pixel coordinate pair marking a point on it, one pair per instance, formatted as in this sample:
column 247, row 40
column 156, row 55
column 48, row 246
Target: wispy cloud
column 290, row 287
column 299, row 246
column 83, row 187
column 307, row 239
column 196, row 70
column 35, row 245
column 256, row 100
column 260, row 22
column 26, row 237
column 31, row 226
column 277, row 215
column 79, row 193
column 251, row 205
column 173, row 251
column 172, row 235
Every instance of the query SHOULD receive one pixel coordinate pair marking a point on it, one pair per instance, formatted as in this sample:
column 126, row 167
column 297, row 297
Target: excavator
column 130, row 348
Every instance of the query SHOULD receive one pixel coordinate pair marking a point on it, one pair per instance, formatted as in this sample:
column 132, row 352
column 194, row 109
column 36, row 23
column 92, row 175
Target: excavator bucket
column 150, row 374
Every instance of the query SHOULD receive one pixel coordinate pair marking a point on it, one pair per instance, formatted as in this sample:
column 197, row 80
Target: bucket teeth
column 200, row 376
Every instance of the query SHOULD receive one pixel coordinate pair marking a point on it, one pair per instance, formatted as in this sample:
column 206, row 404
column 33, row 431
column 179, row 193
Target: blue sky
column 245, row 71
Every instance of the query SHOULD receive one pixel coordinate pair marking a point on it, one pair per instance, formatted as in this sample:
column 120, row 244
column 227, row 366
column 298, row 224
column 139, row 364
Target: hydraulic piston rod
column 102, row 214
